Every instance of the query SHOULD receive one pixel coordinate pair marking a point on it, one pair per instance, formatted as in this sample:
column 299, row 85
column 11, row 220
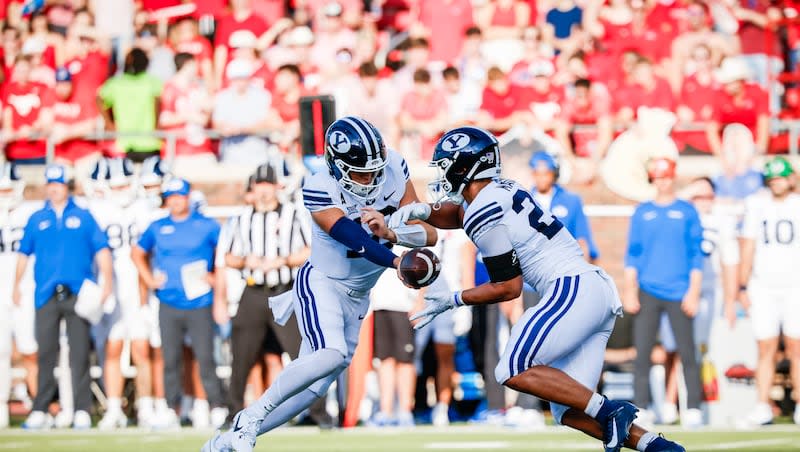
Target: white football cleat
column 220, row 442
column 692, row 418
column 439, row 416
column 38, row 420
column 82, row 420
column 113, row 419
column 165, row 420
column 244, row 432
column 218, row 416
column 64, row 419
column 669, row 414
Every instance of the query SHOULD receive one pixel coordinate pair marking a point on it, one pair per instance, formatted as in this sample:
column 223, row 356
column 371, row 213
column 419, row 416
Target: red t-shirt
column 88, row 74
column 635, row 96
column 447, row 23
column 198, row 46
column 228, row 24
column 425, row 108
column 210, row 7
column 502, row 105
column 288, row 111
column 545, row 105
column 262, row 74
column 177, row 99
column 746, row 111
column 701, row 99
column 152, row 5
column 26, row 102
column 598, row 106
column 73, row 111
column 269, row 10
column 755, row 39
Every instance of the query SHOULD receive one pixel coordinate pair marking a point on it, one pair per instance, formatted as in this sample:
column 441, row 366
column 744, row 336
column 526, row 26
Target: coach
column 66, row 241
column 180, row 247
column 270, row 240
column 663, row 274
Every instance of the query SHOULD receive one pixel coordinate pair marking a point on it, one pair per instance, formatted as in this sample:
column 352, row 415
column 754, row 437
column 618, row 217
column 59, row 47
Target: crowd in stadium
column 226, row 78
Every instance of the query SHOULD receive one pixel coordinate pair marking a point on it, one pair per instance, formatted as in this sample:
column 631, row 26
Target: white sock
column 297, row 376
column 200, row 405
column 161, row 405
column 145, row 404
column 593, row 407
column 645, row 441
column 114, row 405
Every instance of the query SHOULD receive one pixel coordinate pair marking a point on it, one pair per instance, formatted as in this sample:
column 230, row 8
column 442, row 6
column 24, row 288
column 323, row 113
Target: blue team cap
column 63, row 75
column 543, row 157
column 176, row 186
column 55, row 174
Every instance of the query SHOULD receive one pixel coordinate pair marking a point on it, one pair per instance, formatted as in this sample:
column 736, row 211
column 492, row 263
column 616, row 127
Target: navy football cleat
column 618, row 425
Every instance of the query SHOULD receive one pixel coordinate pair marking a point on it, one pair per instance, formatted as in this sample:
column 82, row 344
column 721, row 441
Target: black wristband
column 503, row 267
column 742, row 287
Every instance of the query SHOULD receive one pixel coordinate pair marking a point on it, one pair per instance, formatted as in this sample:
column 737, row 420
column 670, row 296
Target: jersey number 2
column 549, row 228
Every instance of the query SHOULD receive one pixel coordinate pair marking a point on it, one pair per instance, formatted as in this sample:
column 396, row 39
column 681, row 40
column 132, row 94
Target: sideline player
column 769, row 260
column 14, row 214
column 556, row 350
column 120, row 217
column 363, row 183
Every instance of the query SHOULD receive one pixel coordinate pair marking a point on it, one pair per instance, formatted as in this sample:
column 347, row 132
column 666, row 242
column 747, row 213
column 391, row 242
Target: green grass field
column 778, row 438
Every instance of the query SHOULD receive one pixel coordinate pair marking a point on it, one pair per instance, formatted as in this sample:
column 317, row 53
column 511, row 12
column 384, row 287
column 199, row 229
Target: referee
column 270, row 240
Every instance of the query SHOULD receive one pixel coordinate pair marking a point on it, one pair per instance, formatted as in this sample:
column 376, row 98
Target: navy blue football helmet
column 354, row 145
column 461, row 156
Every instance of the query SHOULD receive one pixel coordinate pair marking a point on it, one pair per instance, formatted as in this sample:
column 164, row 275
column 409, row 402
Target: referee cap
column 265, row 173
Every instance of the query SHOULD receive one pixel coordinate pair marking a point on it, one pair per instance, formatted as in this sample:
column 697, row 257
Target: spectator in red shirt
column 314, row 11
column 242, row 44
column 40, row 71
column 27, row 114
column 739, row 102
column 589, row 105
column 375, row 100
column 186, row 107
column 331, row 35
column 73, row 119
column 241, row 17
column 699, row 89
column 647, row 90
column 423, row 111
column 540, row 98
column 89, row 64
column 500, row 103
column 11, row 50
column 761, row 48
column 185, row 38
column 444, row 23
column 38, row 29
column 502, row 23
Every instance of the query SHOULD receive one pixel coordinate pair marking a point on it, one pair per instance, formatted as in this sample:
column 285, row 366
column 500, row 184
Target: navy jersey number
column 549, row 228
column 784, row 232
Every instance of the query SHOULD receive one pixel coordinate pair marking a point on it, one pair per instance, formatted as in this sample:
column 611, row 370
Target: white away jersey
column 320, row 192
column 720, row 247
column 12, row 227
column 545, row 249
column 774, row 227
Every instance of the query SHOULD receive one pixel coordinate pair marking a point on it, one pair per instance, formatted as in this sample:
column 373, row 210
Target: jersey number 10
column 548, row 228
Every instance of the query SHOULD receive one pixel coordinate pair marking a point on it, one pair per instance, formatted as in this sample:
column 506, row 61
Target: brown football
column 419, row 267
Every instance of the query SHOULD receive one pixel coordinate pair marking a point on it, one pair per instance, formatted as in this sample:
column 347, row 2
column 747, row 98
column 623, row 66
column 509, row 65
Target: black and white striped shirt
column 273, row 234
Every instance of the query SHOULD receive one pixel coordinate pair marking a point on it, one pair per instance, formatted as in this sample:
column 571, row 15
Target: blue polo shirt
column 64, row 248
column 664, row 246
column 173, row 245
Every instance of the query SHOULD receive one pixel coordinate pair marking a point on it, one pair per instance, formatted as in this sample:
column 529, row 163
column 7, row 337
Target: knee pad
column 558, row 411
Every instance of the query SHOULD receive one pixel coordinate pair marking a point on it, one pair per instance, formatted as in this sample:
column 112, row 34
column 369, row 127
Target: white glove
column 435, row 305
column 412, row 211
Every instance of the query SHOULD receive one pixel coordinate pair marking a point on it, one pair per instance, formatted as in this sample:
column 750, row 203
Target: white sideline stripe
column 745, row 444
column 469, row 445
column 18, row 445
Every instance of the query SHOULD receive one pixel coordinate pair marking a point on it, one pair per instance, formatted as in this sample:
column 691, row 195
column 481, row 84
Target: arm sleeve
column 148, row 239
column 635, row 246
column 98, row 237
column 498, row 253
column 352, row 235
column 695, row 240
column 27, row 244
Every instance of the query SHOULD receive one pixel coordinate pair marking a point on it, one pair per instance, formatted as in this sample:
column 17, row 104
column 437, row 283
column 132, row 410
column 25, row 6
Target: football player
column 14, row 213
column 556, row 349
column 121, row 220
column 769, row 259
column 348, row 202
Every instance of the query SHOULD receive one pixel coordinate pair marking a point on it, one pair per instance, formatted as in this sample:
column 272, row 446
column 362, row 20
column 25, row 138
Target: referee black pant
column 47, row 327
column 645, row 332
column 254, row 333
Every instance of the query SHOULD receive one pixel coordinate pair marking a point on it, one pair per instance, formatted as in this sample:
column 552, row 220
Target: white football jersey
column 774, row 225
column 720, row 247
column 12, row 227
column 545, row 248
column 320, row 192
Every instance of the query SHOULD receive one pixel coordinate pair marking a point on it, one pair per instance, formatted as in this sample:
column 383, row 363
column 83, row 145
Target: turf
column 781, row 438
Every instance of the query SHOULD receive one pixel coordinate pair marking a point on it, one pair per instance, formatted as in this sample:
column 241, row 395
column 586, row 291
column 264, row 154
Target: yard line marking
column 469, row 445
column 16, row 445
column 745, row 444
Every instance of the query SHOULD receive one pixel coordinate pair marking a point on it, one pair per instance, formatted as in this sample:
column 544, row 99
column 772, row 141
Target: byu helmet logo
column 339, row 142
column 455, row 142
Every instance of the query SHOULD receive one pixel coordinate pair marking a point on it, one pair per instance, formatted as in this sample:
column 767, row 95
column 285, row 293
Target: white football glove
column 435, row 305
column 412, row 211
